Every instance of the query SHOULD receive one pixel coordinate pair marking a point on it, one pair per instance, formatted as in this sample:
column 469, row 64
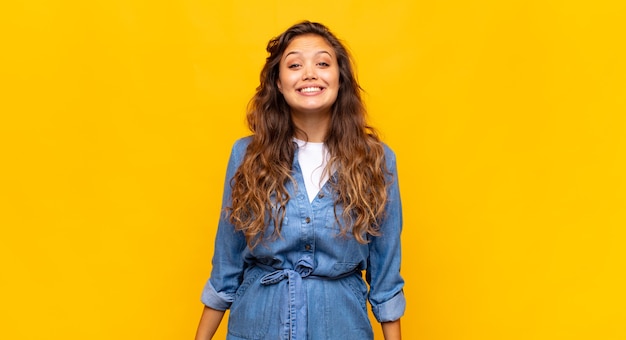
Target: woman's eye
column 324, row 64
column 294, row 65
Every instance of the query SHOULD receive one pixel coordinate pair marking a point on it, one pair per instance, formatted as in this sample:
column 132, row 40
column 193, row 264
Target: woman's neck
column 311, row 128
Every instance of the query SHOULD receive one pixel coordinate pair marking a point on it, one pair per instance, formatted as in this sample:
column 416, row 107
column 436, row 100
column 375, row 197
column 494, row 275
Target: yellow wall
column 508, row 118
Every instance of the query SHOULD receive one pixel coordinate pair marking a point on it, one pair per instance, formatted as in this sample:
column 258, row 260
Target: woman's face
column 308, row 75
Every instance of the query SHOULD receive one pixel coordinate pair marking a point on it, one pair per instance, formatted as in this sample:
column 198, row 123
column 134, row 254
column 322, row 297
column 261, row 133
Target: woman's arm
column 383, row 273
column 227, row 260
column 391, row 330
column 209, row 321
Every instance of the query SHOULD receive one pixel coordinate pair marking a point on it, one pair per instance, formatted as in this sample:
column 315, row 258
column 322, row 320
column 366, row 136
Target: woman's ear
column 279, row 85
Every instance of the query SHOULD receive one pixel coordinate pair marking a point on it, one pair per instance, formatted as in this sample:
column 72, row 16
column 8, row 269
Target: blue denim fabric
column 307, row 284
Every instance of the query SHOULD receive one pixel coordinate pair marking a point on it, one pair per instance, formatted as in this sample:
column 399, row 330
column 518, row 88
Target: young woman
column 311, row 201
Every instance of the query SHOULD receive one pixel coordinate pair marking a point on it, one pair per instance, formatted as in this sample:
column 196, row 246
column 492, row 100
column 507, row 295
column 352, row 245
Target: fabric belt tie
column 296, row 299
column 296, row 302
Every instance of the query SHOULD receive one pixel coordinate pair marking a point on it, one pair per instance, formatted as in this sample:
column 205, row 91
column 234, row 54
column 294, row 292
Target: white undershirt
column 313, row 158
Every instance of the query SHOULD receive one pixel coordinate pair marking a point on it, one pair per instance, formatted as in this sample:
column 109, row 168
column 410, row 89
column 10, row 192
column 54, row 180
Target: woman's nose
column 309, row 73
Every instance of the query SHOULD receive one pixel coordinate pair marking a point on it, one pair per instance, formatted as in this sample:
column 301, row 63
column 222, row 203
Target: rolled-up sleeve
column 383, row 275
column 228, row 263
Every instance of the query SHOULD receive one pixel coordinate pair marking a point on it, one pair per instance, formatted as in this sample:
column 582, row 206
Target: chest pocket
column 337, row 222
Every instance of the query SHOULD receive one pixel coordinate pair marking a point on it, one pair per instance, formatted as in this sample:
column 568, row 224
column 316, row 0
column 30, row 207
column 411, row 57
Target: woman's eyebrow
column 298, row 52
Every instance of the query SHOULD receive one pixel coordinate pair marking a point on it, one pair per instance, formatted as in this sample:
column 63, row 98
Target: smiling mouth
column 312, row 89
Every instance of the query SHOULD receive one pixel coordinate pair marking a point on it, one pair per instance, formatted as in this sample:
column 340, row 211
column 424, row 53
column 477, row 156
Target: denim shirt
column 308, row 283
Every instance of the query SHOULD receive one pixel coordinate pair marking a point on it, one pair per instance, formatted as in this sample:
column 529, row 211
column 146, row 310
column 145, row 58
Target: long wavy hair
column 259, row 195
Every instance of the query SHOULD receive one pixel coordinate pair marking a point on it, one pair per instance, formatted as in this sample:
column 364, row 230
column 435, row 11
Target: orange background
column 508, row 119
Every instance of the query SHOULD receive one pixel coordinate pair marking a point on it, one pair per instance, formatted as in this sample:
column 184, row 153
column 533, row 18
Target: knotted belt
column 296, row 299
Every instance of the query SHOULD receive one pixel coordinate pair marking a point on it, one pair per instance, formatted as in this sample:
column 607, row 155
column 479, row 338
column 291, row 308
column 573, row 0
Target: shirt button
column 320, row 195
column 307, row 247
column 307, row 220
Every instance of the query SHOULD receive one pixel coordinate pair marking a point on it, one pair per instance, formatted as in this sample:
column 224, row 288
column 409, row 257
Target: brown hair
column 259, row 196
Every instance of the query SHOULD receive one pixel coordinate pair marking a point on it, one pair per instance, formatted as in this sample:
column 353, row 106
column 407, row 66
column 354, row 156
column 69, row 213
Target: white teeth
column 310, row 89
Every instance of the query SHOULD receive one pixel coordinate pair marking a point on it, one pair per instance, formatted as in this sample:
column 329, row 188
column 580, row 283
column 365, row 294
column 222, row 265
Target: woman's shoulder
column 238, row 151
column 390, row 155
column 241, row 144
column 388, row 150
